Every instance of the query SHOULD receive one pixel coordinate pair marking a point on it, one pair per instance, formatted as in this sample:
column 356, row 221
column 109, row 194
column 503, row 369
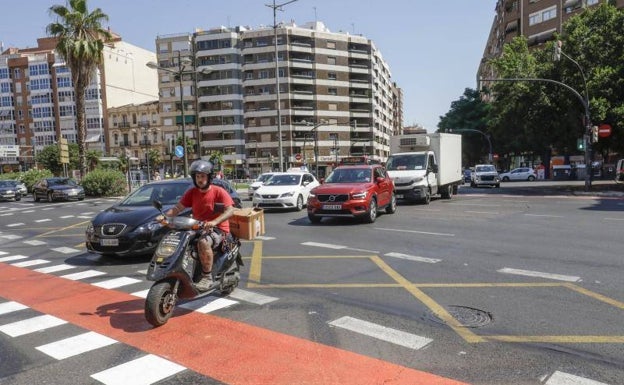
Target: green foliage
column 31, row 177
column 49, row 157
column 105, row 183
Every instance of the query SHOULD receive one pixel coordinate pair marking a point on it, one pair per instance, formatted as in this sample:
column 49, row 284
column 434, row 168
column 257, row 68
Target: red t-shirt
column 202, row 204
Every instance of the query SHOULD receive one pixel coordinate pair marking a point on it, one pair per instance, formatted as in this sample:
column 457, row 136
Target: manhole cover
column 467, row 316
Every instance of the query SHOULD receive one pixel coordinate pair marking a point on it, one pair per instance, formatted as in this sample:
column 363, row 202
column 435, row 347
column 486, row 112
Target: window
column 331, row 44
column 331, row 60
column 63, row 82
column 543, row 15
column 332, row 91
column 331, row 76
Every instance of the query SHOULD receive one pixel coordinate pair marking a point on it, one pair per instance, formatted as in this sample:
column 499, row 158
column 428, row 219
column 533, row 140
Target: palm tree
column 81, row 40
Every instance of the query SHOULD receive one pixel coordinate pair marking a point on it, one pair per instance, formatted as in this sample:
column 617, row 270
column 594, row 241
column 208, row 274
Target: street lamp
column 460, row 130
column 277, row 90
column 182, row 69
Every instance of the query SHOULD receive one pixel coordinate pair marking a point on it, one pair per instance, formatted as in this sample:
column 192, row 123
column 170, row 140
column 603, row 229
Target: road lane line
column 384, row 333
column 544, row 215
column 324, row 245
column 142, row 371
column 31, row 325
column 13, row 258
column 34, row 242
column 416, row 232
column 263, row 356
column 255, row 298
column 83, row 275
column 539, row 274
column 55, row 268
column 65, row 250
column 561, row 378
column 73, row 346
column 32, row 262
column 255, row 267
column 116, row 282
column 412, row 257
column 11, row 306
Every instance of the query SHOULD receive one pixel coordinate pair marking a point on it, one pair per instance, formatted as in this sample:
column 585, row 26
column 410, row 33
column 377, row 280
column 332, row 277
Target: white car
column 285, row 190
column 485, row 175
column 258, row 182
column 521, row 173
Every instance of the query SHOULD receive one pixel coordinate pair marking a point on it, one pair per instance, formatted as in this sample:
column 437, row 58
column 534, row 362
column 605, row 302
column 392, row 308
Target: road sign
column 179, row 151
column 297, row 156
column 63, row 151
column 604, row 130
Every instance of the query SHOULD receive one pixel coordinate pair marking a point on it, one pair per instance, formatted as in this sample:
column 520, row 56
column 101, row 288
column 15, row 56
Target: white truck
column 424, row 165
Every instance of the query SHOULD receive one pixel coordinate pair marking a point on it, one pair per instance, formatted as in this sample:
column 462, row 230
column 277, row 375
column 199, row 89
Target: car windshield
column 486, row 168
column 166, row 193
column 7, row 183
column 406, row 162
column 264, row 177
column 283, row 180
column 350, row 175
column 61, row 182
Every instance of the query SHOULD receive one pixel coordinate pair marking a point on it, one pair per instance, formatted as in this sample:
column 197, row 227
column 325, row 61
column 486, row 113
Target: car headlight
column 311, row 196
column 417, row 179
column 287, row 194
column 90, row 229
column 361, row 195
column 256, row 195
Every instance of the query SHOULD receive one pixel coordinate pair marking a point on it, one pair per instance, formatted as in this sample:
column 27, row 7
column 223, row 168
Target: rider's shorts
column 215, row 237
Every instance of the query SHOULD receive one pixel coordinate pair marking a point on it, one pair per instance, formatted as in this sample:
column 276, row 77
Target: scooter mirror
column 157, row 204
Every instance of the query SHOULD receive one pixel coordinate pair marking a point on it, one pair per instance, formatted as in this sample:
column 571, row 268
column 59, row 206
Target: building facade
column 537, row 20
column 336, row 96
column 37, row 104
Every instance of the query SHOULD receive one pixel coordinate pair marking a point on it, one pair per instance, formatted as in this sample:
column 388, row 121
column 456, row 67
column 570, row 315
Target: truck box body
column 418, row 181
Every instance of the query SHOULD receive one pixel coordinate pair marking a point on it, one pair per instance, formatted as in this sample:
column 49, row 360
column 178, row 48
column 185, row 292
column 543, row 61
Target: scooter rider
column 202, row 199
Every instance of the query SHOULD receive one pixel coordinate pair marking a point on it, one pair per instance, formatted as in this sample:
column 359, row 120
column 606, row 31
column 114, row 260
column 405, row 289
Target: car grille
column 487, row 177
column 397, row 184
column 333, row 197
column 110, row 229
column 270, row 196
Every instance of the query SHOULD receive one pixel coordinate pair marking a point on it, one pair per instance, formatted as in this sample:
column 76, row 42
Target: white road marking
column 475, row 204
column 66, row 250
column 142, row 371
column 416, row 232
column 397, row 337
column 116, row 282
column 3, row 252
column 6, row 215
column 11, row 306
column 209, row 304
column 34, row 242
column 614, row 219
column 12, row 258
column 142, row 271
column 28, row 211
column 84, row 216
column 87, row 213
column 31, row 325
column 43, row 220
column 248, row 296
column 47, row 209
column 483, row 212
column 73, row 346
column 66, row 216
column 412, row 257
column 32, row 262
column 55, row 268
column 141, row 294
column 325, row 245
column 11, row 236
column 544, row 215
column 561, row 378
column 83, row 275
column 558, row 277
column 263, row 238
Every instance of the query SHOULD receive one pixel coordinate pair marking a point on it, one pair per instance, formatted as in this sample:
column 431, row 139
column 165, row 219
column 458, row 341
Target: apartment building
column 336, row 97
column 37, row 105
column 538, row 20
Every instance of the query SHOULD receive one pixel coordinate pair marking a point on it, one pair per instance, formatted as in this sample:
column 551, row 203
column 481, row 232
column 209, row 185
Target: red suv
column 353, row 191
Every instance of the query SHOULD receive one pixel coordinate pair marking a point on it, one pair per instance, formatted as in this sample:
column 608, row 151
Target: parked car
column 285, row 190
column 258, row 182
column 21, row 187
column 485, row 175
column 128, row 228
column 57, row 188
column 9, row 190
column 353, row 191
column 521, row 173
column 467, row 175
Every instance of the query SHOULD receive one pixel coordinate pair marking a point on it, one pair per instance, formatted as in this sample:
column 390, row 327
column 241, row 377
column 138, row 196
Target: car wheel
column 427, row 198
column 497, row 185
column 371, row 215
column 447, row 192
column 531, row 178
column 18, row 197
column 505, row 179
column 314, row 219
column 473, row 184
column 299, row 206
column 50, row 198
column 391, row 208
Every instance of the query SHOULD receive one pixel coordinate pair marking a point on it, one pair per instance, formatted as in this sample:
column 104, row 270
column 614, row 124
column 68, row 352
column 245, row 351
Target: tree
column 49, row 158
column 468, row 112
column 81, row 40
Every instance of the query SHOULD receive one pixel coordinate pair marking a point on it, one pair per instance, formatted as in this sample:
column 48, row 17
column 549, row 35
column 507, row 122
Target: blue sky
column 433, row 48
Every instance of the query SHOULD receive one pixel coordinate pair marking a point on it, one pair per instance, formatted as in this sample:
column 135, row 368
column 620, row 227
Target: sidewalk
column 600, row 188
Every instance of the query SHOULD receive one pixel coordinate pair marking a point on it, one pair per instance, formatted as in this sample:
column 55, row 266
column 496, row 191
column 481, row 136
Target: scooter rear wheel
column 159, row 303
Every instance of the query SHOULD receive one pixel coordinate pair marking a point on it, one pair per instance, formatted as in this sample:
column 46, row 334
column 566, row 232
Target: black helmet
column 202, row 166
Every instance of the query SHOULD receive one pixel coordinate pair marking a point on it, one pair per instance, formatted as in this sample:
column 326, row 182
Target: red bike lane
column 204, row 343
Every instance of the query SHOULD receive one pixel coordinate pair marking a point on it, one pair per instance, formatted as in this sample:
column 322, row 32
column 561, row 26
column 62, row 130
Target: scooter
column 175, row 268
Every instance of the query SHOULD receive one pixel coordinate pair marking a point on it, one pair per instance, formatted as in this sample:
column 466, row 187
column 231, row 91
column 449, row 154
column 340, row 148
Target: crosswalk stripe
column 11, row 306
column 55, row 268
column 11, row 236
column 12, row 258
column 66, row 250
column 141, row 294
column 73, row 346
column 34, row 242
column 561, row 378
column 32, row 262
column 83, row 275
column 30, row 325
column 142, row 371
column 208, row 305
column 116, row 282
column 248, row 296
column 383, row 333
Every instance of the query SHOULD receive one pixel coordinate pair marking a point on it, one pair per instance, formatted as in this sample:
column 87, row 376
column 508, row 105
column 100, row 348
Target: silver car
column 485, row 175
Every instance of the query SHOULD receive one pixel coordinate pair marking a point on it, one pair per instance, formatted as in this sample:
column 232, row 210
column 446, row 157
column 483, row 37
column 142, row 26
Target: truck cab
column 414, row 175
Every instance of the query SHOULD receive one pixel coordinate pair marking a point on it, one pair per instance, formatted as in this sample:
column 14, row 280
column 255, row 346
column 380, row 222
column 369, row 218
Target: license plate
column 332, row 207
column 109, row 242
column 399, row 196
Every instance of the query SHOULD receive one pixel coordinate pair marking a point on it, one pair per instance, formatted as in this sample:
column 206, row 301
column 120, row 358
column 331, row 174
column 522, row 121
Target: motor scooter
column 175, row 267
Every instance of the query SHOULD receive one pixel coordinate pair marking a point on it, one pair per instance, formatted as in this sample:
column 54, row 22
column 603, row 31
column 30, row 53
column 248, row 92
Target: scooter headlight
column 168, row 245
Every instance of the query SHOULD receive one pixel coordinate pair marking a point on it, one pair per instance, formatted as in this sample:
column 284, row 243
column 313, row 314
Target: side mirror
column 379, row 179
column 157, row 204
column 434, row 168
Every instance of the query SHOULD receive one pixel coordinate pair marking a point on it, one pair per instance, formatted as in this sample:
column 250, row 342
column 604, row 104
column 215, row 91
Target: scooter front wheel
column 160, row 303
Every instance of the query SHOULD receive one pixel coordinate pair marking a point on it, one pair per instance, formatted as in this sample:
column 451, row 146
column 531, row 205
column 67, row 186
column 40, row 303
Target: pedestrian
column 156, row 175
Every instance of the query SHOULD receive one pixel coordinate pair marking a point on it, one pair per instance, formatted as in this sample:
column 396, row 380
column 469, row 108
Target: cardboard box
column 247, row 223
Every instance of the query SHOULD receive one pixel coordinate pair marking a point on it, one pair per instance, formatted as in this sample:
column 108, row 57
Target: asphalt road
column 517, row 285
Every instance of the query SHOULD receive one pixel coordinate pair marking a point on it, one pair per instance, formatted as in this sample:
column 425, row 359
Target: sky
column 433, row 48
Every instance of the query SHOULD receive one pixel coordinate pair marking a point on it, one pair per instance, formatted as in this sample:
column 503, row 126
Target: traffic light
column 580, row 144
column 594, row 134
